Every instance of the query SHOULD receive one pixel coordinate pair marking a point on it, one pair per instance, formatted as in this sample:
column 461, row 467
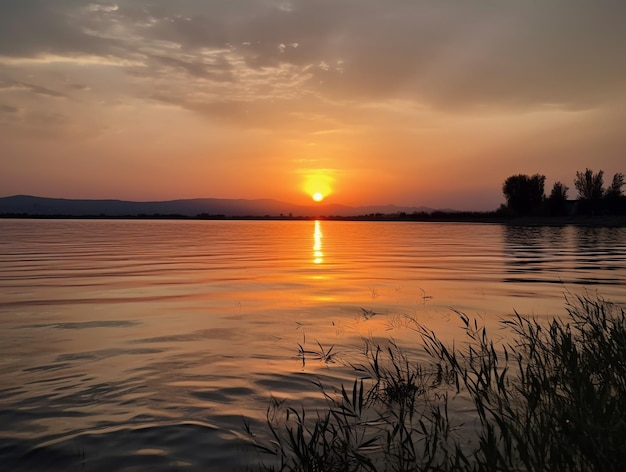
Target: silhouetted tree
column 524, row 194
column 589, row 185
column 615, row 200
column 615, row 190
column 590, row 191
column 557, row 201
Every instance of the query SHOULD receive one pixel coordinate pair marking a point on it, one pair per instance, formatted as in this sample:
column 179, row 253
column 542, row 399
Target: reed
column 551, row 398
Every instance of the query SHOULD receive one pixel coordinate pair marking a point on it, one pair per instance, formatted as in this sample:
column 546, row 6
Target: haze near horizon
column 354, row 102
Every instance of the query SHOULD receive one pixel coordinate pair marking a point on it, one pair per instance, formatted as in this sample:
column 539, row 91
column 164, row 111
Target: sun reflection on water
column 318, row 255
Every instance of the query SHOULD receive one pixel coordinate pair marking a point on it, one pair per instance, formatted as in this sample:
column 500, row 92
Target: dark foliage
column 557, row 201
column 524, row 194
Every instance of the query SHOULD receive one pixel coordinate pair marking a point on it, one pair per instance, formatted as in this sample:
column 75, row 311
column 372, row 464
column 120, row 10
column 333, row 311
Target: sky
column 407, row 102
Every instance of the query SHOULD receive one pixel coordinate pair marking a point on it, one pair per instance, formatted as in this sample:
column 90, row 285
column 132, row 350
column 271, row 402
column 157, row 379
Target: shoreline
column 487, row 218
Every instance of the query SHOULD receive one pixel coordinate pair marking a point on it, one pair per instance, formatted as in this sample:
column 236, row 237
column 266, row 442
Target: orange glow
column 318, row 184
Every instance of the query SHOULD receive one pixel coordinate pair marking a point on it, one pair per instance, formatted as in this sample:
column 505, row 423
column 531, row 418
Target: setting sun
column 318, row 183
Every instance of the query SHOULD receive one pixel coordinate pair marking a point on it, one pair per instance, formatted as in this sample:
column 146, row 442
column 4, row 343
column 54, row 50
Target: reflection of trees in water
column 569, row 255
column 525, row 247
column 529, row 247
column 600, row 248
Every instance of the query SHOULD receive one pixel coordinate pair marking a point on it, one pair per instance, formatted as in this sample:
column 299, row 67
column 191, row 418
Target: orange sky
column 374, row 102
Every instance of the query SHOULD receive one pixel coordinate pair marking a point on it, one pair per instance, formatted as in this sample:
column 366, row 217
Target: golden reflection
column 318, row 255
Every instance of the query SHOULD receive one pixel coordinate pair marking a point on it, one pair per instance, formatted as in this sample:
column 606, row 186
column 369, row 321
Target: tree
column 590, row 191
column 557, row 201
column 524, row 194
column 615, row 190
column 615, row 200
column 589, row 185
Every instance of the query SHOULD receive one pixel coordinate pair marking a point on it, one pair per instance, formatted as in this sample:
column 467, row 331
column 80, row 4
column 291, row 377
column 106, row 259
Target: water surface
column 127, row 345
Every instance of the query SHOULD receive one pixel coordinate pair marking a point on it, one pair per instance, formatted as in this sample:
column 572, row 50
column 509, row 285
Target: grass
column 321, row 354
column 552, row 398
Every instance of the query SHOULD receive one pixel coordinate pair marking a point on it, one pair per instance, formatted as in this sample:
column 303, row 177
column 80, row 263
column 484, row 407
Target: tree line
column 525, row 196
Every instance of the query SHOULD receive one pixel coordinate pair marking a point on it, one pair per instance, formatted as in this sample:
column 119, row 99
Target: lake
column 134, row 345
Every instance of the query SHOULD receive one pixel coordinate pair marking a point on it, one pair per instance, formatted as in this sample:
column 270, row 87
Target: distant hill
column 30, row 205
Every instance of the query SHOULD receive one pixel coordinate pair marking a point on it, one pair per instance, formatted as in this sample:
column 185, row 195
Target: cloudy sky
column 412, row 102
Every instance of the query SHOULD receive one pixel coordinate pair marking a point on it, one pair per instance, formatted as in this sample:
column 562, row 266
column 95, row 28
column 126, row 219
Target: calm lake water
column 135, row 345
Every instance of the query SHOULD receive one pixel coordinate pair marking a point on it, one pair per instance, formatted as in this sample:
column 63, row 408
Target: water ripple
column 129, row 345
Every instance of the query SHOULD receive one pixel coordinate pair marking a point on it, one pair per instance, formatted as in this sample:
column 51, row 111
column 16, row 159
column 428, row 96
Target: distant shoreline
column 470, row 217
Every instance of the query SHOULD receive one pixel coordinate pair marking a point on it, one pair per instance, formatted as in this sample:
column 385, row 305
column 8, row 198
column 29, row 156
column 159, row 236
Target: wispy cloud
column 13, row 86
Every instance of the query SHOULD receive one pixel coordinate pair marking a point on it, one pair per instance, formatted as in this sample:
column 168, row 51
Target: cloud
column 102, row 7
column 452, row 55
column 449, row 54
column 80, row 87
column 8, row 109
column 463, row 54
column 10, row 85
column 36, row 27
column 76, row 59
column 219, row 70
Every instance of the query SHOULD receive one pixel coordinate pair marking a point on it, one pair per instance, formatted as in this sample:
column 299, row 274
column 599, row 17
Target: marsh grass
column 551, row 398
column 320, row 353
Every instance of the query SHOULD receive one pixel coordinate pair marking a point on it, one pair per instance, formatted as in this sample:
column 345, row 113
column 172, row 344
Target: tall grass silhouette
column 550, row 398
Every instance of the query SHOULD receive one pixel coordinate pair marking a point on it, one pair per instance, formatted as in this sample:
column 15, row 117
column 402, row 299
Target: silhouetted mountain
column 30, row 205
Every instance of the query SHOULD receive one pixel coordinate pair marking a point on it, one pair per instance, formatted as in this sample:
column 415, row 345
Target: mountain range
column 41, row 206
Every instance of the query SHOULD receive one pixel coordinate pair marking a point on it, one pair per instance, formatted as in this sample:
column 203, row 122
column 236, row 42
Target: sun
column 317, row 184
